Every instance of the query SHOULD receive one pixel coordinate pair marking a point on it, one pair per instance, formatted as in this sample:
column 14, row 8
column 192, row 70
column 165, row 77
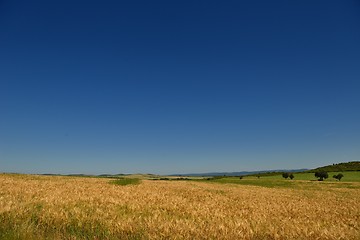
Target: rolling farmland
column 56, row 207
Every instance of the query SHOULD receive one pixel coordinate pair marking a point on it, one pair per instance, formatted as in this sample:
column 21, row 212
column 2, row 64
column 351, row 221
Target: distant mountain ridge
column 243, row 173
column 336, row 167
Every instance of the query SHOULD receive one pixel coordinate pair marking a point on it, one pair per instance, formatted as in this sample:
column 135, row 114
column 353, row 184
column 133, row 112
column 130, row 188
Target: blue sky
column 178, row 86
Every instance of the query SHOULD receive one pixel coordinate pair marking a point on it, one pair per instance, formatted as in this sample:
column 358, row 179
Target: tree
column 241, row 177
column 338, row 176
column 285, row 175
column 321, row 175
column 291, row 176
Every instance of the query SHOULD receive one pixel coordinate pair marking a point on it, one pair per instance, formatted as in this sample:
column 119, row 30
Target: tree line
column 321, row 175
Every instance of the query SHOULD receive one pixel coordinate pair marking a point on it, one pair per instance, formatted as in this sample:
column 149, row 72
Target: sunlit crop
column 51, row 207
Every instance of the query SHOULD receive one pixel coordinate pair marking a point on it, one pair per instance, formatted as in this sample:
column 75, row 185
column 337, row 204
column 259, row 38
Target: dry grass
column 50, row 207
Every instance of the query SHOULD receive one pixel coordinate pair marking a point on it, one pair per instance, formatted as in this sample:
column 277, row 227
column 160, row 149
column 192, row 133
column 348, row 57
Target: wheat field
column 55, row 207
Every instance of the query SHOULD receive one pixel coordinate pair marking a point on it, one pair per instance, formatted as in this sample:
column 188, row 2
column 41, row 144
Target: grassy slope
column 301, row 180
column 339, row 167
column 353, row 176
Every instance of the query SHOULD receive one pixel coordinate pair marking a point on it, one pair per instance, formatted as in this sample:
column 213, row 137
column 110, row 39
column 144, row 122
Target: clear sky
column 178, row 86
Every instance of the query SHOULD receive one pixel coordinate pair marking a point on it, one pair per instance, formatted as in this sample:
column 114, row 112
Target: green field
column 353, row 176
column 301, row 180
column 125, row 181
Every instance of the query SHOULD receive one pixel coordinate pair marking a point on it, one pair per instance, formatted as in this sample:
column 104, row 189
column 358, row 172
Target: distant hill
column 339, row 167
column 243, row 173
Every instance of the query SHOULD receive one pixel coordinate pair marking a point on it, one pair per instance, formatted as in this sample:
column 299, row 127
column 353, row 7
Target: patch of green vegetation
column 353, row 176
column 264, row 174
column 339, row 167
column 254, row 181
column 125, row 181
column 301, row 180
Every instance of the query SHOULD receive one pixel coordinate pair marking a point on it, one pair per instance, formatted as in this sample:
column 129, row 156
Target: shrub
column 291, row 176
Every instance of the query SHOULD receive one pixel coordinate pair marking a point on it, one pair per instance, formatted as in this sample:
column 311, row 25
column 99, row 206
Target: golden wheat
column 91, row 208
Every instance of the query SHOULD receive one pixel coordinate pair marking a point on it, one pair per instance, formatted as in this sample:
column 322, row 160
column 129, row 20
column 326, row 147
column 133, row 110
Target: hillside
column 339, row 167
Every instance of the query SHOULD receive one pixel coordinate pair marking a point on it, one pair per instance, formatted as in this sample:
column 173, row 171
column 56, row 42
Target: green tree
column 338, row 176
column 321, row 175
column 285, row 175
